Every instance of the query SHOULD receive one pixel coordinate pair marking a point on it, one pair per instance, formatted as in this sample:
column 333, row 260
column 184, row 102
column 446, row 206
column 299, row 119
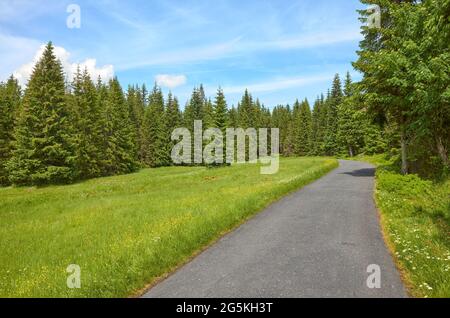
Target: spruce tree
column 233, row 117
column 246, row 111
column 195, row 108
column 350, row 134
column 208, row 120
column 154, row 138
column 316, row 129
column 105, row 123
column 88, row 129
column 303, row 134
column 120, row 134
column 173, row 120
column 136, row 109
column 10, row 95
column 335, row 99
column 220, row 111
column 220, row 117
column 43, row 150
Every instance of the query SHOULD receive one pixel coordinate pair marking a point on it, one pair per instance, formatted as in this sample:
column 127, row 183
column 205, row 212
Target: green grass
column 416, row 221
column 126, row 231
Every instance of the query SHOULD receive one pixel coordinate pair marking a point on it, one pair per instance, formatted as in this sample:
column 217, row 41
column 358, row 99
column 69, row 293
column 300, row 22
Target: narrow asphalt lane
column 316, row 242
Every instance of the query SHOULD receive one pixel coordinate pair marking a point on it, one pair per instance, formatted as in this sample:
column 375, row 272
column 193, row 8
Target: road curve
column 316, row 242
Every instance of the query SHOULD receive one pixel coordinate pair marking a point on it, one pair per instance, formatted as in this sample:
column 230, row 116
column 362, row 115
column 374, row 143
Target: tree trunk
column 442, row 151
column 350, row 151
column 404, row 151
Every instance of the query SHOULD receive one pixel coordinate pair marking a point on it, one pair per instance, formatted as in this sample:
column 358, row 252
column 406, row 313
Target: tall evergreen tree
column 43, row 150
column 120, row 133
column 220, row 116
column 208, row 119
column 10, row 95
column 87, row 126
column 220, row 111
column 195, row 108
column 335, row 99
column 136, row 108
column 155, row 138
column 316, row 129
column 246, row 111
column 304, row 131
column 233, row 117
column 173, row 120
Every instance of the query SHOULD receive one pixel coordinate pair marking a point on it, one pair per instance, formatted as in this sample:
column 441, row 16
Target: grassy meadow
column 416, row 221
column 126, row 231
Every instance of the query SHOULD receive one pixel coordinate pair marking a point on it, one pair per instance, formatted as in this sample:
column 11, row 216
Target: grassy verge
column 416, row 219
column 126, row 231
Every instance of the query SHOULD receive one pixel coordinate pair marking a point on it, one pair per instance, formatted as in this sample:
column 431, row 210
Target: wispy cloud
column 170, row 81
column 240, row 47
column 277, row 84
column 188, row 55
column 15, row 51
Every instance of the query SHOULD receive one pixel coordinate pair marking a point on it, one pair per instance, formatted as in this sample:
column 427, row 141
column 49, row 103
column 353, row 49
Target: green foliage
column 43, row 151
column 332, row 103
column 173, row 120
column 136, row 98
column 220, row 112
column 10, row 96
column 87, row 126
column 154, row 131
column 302, row 128
column 195, row 108
column 416, row 216
column 406, row 78
column 121, row 148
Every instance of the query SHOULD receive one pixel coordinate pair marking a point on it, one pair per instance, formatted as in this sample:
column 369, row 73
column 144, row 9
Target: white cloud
column 277, row 84
column 15, row 51
column 170, row 81
column 105, row 72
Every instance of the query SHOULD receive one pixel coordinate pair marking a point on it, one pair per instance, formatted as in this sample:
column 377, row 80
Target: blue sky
column 279, row 49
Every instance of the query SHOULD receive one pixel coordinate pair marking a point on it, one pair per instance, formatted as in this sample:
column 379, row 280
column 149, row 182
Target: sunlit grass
column 416, row 218
column 126, row 231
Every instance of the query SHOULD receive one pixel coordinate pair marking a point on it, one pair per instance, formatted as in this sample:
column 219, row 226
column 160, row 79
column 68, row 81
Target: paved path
column 317, row 242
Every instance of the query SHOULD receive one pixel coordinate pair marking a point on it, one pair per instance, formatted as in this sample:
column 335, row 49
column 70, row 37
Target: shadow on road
column 368, row 172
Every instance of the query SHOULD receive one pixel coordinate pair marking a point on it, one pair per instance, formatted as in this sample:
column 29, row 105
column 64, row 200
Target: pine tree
column 173, row 120
column 282, row 119
column 136, row 108
column 194, row 110
column 233, row 117
column 208, row 120
column 154, row 146
column 316, row 129
column 350, row 134
column 303, row 133
column 142, row 100
column 220, row 111
column 246, row 111
column 105, row 122
column 220, row 117
column 43, row 151
column 87, row 125
column 335, row 99
column 10, row 95
column 120, row 133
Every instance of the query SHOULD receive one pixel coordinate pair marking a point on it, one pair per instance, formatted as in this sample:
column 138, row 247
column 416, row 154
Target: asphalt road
column 317, row 242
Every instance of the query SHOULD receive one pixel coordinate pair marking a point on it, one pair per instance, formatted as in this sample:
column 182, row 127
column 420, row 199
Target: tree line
column 55, row 132
column 58, row 132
